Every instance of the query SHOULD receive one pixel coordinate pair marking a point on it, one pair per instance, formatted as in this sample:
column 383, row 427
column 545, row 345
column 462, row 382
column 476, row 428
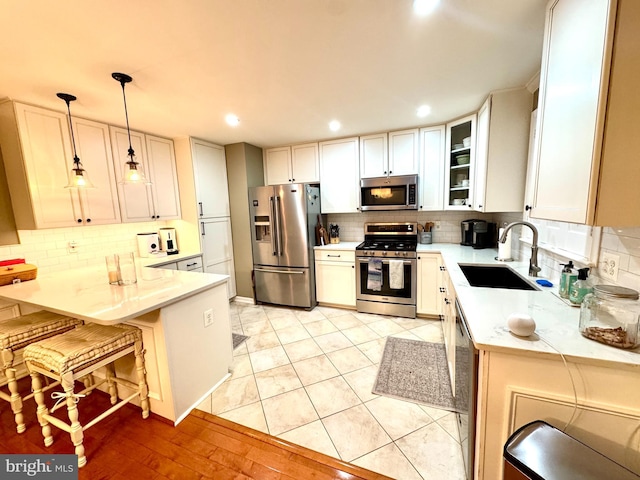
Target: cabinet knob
column 390, row 172
column 293, row 179
column 79, row 220
column 88, row 220
column 289, row 179
column 479, row 206
column 385, row 172
column 528, row 207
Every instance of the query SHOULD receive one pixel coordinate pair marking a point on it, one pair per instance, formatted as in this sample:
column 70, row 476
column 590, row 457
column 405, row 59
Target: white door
column 135, row 199
column 48, row 158
column 277, row 165
column 100, row 205
column 404, row 152
column 210, row 172
column 164, row 178
column 305, row 167
column 217, row 248
column 339, row 176
column 374, row 159
column 431, row 178
column 428, row 283
column 482, row 156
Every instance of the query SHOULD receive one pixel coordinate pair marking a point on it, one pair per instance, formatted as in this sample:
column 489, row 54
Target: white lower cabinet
column 428, row 284
column 336, row 277
column 448, row 312
column 517, row 389
column 217, row 249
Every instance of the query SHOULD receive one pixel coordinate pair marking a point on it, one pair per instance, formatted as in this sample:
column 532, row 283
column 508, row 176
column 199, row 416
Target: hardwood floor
column 124, row 446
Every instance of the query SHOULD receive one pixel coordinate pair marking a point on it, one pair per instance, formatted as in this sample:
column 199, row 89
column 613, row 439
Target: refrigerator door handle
column 267, row 270
column 274, row 230
column 278, row 233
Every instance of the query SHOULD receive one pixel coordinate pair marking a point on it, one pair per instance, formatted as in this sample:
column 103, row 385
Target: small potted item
column 334, row 233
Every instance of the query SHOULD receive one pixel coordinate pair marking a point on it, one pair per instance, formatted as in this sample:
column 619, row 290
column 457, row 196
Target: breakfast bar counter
column 184, row 318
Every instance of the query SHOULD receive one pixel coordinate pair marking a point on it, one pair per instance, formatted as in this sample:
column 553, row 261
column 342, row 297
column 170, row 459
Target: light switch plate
column 609, row 266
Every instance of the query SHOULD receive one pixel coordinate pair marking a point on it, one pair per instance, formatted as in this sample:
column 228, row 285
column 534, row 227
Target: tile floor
column 306, row 376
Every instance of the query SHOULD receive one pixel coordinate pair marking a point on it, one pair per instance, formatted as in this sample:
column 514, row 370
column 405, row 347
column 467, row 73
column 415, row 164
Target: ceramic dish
column 462, row 159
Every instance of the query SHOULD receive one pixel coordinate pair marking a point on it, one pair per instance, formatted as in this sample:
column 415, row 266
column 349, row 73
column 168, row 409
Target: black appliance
column 478, row 233
column 394, row 244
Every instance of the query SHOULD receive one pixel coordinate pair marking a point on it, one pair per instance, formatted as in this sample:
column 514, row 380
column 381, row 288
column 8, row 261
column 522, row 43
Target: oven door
column 405, row 295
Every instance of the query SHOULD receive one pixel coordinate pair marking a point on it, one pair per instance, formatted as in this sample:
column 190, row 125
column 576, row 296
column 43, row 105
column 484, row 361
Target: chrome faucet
column 533, row 261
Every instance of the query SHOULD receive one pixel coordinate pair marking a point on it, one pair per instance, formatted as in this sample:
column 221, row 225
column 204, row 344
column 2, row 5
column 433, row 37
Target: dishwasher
column 466, row 385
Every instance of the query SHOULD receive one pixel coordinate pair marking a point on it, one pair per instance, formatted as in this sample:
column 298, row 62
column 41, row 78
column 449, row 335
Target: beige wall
column 8, row 233
column 244, row 170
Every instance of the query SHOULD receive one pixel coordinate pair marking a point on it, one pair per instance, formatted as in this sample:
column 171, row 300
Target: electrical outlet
column 208, row 317
column 609, row 266
column 437, row 224
column 73, row 246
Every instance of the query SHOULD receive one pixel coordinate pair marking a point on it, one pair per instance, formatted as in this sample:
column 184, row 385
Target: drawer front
column 336, row 255
column 191, row 264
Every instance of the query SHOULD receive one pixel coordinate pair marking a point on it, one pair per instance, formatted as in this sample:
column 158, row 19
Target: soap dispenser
column 580, row 287
column 567, row 277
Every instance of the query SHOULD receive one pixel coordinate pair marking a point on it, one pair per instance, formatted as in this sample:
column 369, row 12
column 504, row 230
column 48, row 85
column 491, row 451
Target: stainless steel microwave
column 389, row 193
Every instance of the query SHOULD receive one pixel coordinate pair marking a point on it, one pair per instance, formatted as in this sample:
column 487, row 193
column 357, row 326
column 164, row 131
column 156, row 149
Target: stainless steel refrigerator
column 283, row 219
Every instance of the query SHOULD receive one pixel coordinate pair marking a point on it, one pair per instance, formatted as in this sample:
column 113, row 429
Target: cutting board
column 322, row 236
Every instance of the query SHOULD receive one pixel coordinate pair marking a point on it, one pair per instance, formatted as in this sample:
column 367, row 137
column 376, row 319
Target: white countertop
column 487, row 310
column 339, row 246
column 86, row 294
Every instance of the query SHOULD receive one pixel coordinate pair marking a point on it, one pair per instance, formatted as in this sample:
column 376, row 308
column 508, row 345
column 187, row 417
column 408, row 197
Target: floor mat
column 238, row 339
column 417, row 371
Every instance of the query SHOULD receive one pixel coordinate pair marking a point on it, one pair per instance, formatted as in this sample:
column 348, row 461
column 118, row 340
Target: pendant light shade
column 133, row 171
column 78, row 177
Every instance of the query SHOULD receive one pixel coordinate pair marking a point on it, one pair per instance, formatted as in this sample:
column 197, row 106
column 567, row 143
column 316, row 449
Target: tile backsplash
column 49, row 249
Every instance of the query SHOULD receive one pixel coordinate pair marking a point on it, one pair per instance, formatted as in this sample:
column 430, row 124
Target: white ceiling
column 285, row 67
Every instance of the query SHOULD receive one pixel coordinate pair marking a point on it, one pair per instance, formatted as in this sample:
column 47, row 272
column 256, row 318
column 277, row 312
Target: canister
column 610, row 315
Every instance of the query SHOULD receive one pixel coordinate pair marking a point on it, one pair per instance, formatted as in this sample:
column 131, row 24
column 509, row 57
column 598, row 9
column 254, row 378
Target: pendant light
column 78, row 177
column 133, row 171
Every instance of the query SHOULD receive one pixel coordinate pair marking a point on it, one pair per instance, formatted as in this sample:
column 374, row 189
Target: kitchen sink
column 495, row 276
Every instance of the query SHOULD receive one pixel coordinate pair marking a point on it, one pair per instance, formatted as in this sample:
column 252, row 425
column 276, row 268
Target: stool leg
column 112, row 388
column 76, row 431
column 16, row 399
column 142, row 382
column 36, row 385
column 88, row 382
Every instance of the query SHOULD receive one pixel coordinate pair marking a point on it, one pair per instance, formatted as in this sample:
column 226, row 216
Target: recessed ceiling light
column 423, row 110
column 424, row 7
column 232, row 120
column 334, row 125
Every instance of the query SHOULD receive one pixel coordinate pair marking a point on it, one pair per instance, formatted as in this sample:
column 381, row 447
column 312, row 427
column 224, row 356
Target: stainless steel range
column 386, row 269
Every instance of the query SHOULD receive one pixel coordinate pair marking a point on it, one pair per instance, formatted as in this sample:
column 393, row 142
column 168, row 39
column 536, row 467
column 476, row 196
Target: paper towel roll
column 504, row 249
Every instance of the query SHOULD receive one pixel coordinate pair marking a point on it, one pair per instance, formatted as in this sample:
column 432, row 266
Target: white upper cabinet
column 210, row 176
column 374, row 156
column 431, row 177
column 294, row 164
column 588, row 114
column 395, row 153
column 38, row 156
column 502, row 136
column 404, row 148
column 164, row 178
column 339, row 176
column 139, row 202
column 100, row 205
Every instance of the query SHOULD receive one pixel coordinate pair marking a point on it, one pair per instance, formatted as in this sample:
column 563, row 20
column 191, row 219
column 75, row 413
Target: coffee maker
column 168, row 240
column 478, row 233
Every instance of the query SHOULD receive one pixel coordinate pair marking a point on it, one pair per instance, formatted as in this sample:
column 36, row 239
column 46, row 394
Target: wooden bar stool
column 15, row 335
column 77, row 353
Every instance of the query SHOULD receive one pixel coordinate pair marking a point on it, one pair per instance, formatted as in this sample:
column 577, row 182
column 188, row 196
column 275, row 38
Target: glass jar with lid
column 610, row 315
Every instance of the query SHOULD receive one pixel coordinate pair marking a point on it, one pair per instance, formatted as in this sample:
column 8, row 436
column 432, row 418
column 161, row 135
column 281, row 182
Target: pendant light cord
column 126, row 116
column 73, row 138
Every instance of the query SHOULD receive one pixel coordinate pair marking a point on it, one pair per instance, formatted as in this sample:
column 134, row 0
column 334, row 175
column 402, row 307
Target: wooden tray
column 23, row 272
